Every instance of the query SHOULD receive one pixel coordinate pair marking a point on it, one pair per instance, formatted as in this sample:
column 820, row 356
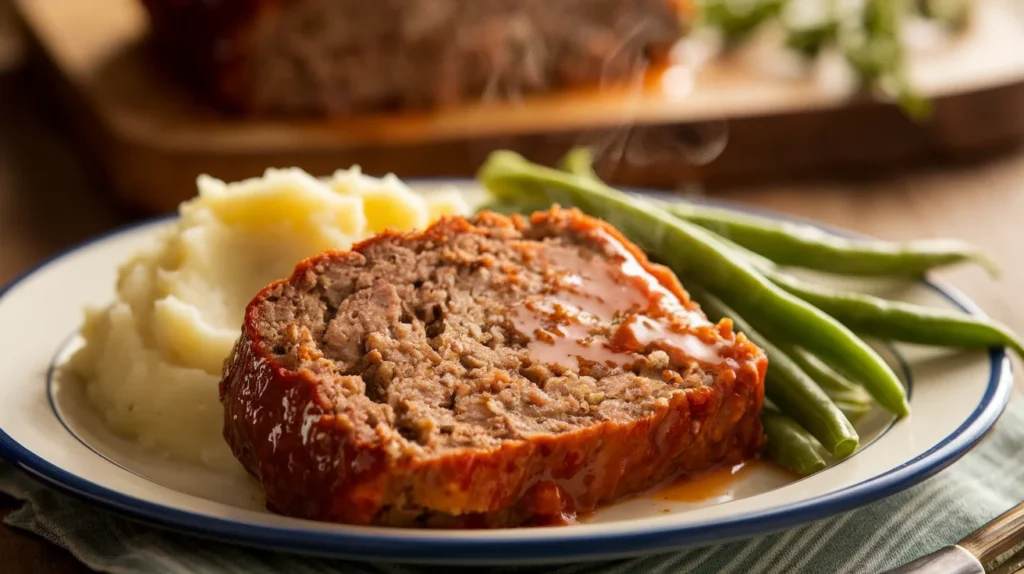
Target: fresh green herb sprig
column 869, row 39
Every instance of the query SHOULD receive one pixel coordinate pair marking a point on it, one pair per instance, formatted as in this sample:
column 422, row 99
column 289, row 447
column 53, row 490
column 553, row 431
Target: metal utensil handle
column 998, row 536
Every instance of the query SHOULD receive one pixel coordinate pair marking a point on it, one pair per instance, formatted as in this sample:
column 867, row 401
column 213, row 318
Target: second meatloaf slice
column 340, row 57
column 486, row 372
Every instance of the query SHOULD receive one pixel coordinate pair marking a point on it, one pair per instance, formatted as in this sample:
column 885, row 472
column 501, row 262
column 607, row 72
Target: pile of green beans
column 822, row 374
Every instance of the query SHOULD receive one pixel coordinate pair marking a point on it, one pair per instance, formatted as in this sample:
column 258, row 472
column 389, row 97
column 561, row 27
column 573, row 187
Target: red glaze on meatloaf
column 485, row 372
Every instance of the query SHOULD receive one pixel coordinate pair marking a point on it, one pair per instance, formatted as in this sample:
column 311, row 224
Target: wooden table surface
column 49, row 200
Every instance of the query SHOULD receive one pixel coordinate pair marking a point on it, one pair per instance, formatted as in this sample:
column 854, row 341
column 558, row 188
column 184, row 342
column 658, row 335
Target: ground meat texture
column 335, row 57
column 486, row 372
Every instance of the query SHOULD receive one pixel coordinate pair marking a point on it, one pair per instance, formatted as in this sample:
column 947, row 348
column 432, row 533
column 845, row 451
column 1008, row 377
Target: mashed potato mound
column 152, row 359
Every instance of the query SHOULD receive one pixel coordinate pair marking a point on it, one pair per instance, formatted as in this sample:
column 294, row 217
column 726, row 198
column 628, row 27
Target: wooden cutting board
column 153, row 136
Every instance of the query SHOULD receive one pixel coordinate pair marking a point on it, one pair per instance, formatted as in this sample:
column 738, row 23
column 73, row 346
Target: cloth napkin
column 940, row 511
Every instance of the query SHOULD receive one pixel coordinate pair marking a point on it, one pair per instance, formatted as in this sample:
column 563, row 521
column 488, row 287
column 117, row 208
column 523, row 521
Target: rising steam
column 626, row 143
column 694, row 144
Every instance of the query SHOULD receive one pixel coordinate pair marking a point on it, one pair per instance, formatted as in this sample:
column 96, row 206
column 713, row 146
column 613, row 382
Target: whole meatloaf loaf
column 334, row 57
column 485, row 372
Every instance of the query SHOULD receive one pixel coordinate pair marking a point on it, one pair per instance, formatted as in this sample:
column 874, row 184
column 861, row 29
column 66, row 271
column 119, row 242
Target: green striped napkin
column 876, row 537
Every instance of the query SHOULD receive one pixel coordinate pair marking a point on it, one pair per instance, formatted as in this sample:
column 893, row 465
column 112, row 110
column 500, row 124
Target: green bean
column 851, row 399
column 689, row 249
column 899, row 321
column 892, row 320
column 802, row 245
column 885, row 319
column 579, row 161
column 790, row 388
column 807, row 246
column 789, row 444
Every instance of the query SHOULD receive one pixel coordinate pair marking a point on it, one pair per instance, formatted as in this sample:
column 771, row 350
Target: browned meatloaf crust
column 341, row 56
column 485, row 372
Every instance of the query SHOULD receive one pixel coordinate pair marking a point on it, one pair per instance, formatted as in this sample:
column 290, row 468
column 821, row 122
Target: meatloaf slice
column 485, row 372
column 334, row 57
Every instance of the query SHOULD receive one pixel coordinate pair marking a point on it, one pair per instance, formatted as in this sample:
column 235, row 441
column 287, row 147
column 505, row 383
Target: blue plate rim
column 552, row 548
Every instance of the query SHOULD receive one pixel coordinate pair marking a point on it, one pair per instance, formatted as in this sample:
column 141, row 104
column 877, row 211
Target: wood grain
column 153, row 136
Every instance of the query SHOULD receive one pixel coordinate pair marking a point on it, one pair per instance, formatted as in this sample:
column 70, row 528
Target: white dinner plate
column 48, row 430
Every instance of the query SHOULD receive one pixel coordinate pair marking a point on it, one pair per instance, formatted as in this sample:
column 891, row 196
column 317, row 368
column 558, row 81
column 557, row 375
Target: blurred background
column 898, row 118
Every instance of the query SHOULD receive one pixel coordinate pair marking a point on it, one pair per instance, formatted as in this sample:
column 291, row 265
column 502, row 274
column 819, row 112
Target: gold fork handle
column 998, row 536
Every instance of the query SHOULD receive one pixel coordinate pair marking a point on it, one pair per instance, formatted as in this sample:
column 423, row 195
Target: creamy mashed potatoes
column 152, row 359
